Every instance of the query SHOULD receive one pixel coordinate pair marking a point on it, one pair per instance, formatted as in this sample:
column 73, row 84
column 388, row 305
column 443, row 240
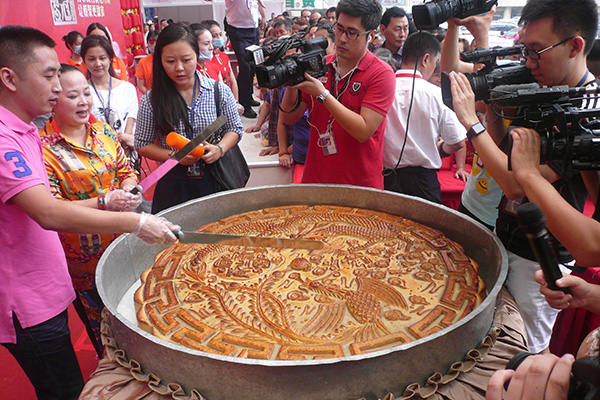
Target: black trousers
column 414, row 181
column 240, row 39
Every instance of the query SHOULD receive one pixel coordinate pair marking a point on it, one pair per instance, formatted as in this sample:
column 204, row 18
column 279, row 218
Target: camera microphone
column 533, row 222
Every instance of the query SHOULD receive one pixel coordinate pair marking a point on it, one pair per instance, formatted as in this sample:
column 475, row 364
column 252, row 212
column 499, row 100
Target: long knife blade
column 250, row 241
column 179, row 155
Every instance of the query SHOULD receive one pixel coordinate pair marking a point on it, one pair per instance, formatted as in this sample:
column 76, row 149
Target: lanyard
column 333, row 87
column 587, row 73
column 105, row 110
column 192, row 107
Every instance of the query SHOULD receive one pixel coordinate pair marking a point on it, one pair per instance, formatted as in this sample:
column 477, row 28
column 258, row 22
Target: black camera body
column 273, row 70
column 492, row 75
column 568, row 133
column 429, row 15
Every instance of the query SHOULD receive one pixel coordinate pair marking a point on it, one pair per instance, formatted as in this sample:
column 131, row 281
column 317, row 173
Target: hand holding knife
column 179, row 155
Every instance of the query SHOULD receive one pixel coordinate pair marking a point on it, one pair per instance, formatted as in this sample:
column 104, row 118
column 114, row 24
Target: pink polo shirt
column 34, row 281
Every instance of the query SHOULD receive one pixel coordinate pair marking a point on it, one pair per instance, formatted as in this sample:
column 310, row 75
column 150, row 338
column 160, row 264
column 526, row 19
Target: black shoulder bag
column 230, row 171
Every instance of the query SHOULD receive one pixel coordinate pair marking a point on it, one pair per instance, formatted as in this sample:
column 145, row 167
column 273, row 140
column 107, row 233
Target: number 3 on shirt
column 22, row 168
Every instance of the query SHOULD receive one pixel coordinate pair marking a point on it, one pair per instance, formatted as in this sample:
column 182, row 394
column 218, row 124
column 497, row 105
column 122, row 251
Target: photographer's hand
column 542, row 377
column 525, row 155
column 311, row 86
column 463, row 100
column 583, row 294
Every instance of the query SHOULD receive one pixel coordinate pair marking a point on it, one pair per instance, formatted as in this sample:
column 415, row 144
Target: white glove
column 155, row 230
column 122, row 200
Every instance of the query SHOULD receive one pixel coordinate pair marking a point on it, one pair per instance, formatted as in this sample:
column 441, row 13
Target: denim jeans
column 47, row 357
column 240, row 39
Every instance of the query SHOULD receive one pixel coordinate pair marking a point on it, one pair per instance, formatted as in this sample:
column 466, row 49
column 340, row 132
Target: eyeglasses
column 535, row 54
column 351, row 34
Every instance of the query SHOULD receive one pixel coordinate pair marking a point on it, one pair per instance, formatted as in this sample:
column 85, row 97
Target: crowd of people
column 375, row 119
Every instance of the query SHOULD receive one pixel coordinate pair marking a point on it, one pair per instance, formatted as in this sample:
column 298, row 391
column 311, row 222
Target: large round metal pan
column 369, row 375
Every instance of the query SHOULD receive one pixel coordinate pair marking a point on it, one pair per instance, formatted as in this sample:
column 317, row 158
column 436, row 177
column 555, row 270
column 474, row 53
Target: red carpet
column 14, row 385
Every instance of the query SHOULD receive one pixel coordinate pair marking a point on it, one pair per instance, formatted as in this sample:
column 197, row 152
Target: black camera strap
column 298, row 101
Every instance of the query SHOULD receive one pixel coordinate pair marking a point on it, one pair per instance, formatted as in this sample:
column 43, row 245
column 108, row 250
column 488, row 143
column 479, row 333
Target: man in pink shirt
column 35, row 289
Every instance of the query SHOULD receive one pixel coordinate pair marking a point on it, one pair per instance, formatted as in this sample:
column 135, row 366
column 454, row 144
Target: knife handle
column 176, row 141
column 179, row 235
column 137, row 189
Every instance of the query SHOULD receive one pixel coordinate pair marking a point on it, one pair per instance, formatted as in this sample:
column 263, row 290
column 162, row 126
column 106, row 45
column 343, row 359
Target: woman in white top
column 115, row 101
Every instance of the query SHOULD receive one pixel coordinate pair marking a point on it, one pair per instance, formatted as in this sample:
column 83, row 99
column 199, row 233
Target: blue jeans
column 47, row 357
column 240, row 39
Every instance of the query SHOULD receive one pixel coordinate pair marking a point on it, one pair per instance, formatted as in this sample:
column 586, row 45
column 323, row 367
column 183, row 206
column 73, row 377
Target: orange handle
column 176, row 141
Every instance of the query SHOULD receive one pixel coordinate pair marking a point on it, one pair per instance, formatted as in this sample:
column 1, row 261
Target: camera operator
column 557, row 36
column 347, row 107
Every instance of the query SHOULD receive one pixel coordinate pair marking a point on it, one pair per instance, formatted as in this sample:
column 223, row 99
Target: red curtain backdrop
column 39, row 14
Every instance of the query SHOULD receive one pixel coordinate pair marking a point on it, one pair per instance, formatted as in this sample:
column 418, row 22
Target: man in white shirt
column 241, row 25
column 411, row 161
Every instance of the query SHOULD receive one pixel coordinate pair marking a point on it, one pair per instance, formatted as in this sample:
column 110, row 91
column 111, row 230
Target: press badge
column 327, row 143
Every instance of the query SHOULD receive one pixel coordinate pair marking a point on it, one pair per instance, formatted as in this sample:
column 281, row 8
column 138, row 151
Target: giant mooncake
column 380, row 281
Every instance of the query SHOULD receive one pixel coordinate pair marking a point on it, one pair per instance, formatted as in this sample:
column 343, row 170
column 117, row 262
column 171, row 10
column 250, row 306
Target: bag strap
column 217, row 104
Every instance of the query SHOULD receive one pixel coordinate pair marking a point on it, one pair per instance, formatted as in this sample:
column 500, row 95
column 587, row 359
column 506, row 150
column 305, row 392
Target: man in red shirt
column 347, row 107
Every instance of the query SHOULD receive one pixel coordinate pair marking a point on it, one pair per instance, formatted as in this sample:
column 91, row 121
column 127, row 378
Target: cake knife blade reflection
column 250, row 241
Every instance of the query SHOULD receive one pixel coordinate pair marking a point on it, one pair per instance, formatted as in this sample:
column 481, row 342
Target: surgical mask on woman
column 218, row 42
column 205, row 55
column 77, row 49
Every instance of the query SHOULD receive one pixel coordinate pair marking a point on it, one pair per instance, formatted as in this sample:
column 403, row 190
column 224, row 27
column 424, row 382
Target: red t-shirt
column 219, row 64
column 373, row 86
column 208, row 71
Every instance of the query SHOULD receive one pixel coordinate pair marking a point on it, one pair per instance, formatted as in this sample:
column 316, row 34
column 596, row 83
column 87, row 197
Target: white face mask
column 205, row 55
column 77, row 49
column 218, row 42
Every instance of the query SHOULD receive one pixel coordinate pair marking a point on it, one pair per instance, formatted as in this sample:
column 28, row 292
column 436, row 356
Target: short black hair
column 17, row 44
column 595, row 52
column 368, row 10
column 569, row 17
column 285, row 14
column 330, row 9
column 393, row 12
column 418, row 44
column 64, row 68
column 287, row 22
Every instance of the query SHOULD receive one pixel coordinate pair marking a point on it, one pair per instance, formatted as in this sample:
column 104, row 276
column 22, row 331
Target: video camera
column 492, row 75
column 272, row 70
column 568, row 133
column 429, row 15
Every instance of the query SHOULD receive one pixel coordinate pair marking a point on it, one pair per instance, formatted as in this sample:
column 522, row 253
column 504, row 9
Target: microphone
column 176, row 141
column 533, row 222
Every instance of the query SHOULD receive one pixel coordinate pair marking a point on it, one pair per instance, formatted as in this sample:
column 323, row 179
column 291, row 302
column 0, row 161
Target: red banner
column 59, row 17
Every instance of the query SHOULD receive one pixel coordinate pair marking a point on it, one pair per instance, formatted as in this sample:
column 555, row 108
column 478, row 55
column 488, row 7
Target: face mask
column 77, row 49
column 205, row 55
column 219, row 42
column 150, row 50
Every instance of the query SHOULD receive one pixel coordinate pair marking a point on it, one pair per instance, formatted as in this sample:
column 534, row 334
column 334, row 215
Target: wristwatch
column 475, row 130
column 321, row 98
